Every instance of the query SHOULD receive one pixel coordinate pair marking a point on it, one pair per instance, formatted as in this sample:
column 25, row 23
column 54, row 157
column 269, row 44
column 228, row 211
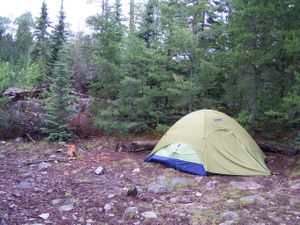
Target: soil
column 26, row 191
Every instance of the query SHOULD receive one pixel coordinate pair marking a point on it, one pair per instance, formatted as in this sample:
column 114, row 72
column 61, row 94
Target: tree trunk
column 255, row 92
column 131, row 17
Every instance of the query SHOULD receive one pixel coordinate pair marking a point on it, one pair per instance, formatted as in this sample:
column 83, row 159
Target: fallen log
column 135, row 146
column 277, row 148
column 148, row 145
column 16, row 93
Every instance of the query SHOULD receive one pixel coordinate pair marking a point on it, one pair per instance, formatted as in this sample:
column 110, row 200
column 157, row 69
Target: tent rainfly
column 208, row 141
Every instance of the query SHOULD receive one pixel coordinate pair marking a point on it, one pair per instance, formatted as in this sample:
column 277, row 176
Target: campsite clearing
column 42, row 184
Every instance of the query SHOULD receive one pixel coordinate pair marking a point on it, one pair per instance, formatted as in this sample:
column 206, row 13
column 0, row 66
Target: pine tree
column 23, row 40
column 40, row 50
column 58, row 36
column 261, row 69
column 108, row 58
column 149, row 23
column 40, row 53
column 58, row 108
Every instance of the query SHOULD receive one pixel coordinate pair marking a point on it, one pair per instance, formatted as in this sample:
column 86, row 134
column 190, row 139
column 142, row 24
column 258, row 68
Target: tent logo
column 218, row 119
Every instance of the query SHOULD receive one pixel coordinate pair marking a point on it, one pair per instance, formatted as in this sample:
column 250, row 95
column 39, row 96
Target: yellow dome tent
column 208, row 141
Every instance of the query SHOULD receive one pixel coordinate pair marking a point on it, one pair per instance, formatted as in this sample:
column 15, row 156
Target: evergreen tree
column 149, row 23
column 40, row 53
column 58, row 108
column 58, row 36
column 260, row 68
column 6, row 40
column 108, row 58
column 23, row 40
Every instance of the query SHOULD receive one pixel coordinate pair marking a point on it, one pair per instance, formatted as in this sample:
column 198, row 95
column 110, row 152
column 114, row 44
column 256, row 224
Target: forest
column 144, row 71
column 80, row 113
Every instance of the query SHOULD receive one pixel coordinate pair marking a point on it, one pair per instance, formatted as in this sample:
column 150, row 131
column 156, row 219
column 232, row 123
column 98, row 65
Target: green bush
column 7, row 76
column 244, row 118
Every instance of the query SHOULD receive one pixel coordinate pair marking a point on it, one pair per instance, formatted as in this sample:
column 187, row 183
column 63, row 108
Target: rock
column 135, row 191
column 107, row 207
column 131, row 203
column 201, row 207
column 230, row 215
column 18, row 140
column 16, row 194
column 149, row 215
column 90, row 221
column 99, row 170
column 173, row 200
column 163, row 198
column 56, row 201
column 81, row 220
column 230, row 201
column 136, row 170
column 227, row 222
column 198, row 178
column 164, row 185
column 29, row 174
column 245, row 185
column 111, row 195
column 131, row 211
column 186, row 199
column 159, row 188
column 44, row 216
column 52, row 156
column 211, row 183
column 251, row 198
column 178, row 182
column 44, row 166
column 23, row 184
column 66, row 208
column 198, row 194
column 295, row 184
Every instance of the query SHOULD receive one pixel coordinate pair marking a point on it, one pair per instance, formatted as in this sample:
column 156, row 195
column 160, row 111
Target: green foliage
column 23, row 39
column 58, row 108
column 7, row 76
column 244, row 118
column 40, row 53
column 58, row 38
column 3, row 101
column 176, row 57
column 35, row 74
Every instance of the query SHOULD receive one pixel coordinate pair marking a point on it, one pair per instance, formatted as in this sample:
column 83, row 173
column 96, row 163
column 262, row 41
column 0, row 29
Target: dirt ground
column 68, row 191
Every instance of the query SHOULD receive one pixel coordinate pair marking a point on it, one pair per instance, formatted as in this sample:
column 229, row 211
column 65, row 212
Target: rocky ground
column 41, row 184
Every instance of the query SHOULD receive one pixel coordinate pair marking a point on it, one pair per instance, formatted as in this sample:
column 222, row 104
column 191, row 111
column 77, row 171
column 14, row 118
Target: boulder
column 230, row 215
column 252, row 198
column 66, row 208
column 247, row 185
column 131, row 211
column 44, row 166
column 44, row 216
column 149, row 215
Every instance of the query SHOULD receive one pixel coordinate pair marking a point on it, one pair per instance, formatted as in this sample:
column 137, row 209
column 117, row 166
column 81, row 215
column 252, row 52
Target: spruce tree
column 58, row 36
column 40, row 49
column 40, row 53
column 58, row 108
column 148, row 31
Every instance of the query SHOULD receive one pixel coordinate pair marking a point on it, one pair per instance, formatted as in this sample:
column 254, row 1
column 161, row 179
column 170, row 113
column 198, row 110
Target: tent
column 208, row 141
